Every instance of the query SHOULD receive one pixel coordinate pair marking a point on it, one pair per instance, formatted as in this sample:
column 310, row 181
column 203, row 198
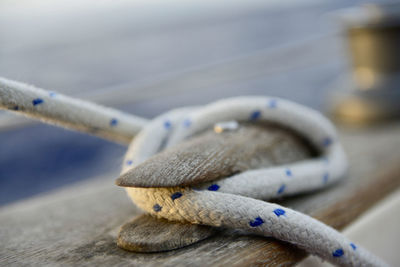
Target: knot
column 234, row 201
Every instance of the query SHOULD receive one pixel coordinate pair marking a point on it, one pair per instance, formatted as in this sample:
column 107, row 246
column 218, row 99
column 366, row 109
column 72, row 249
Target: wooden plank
column 78, row 225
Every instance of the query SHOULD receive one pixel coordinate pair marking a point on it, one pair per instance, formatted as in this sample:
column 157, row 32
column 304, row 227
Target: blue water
column 112, row 48
column 39, row 158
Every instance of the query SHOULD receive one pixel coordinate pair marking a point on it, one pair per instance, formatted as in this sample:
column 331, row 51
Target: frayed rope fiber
column 233, row 202
column 229, row 202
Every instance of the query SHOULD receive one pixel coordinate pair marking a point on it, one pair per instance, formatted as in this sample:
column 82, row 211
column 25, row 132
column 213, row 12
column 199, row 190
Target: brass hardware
column 373, row 37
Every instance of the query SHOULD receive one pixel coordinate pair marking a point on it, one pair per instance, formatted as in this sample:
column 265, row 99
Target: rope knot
column 234, row 201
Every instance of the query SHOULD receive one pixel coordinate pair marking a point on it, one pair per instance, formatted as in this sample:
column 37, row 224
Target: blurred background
column 146, row 57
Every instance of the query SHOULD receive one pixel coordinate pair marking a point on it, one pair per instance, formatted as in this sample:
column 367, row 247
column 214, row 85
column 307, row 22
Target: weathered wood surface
column 211, row 155
column 148, row 234
column 79, row 225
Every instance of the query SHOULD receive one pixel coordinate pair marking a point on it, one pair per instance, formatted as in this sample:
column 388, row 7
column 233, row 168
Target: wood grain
column 79, row 225
column 148, row 234
column 212, row 155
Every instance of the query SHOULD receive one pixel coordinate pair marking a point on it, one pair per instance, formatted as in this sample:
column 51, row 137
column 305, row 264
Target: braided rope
column 68, row 112
column 232, row 202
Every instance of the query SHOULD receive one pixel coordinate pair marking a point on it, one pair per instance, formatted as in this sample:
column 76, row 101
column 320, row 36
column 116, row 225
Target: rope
column 229, row 202
column 232, row 202
column 68, row 112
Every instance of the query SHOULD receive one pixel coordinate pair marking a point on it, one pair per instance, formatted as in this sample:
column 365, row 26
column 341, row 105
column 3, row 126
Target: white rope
column 68, row 112
column 232, row 202
column 229, row 202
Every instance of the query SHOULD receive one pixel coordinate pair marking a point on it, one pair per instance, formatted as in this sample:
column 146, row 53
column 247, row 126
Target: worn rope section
column 233, row 202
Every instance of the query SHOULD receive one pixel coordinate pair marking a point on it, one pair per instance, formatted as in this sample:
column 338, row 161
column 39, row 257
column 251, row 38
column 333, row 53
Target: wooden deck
column 79, row 224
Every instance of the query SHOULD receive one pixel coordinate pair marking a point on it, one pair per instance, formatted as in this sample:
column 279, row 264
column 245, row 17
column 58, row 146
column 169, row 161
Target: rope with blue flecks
column 229, row 202
column 232, row 202
column 68, row 112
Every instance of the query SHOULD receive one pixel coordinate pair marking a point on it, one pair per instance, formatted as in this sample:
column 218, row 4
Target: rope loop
column 234, row 202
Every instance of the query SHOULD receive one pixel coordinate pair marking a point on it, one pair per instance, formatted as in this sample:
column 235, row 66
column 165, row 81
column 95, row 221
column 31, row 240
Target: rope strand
column 70, row 113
